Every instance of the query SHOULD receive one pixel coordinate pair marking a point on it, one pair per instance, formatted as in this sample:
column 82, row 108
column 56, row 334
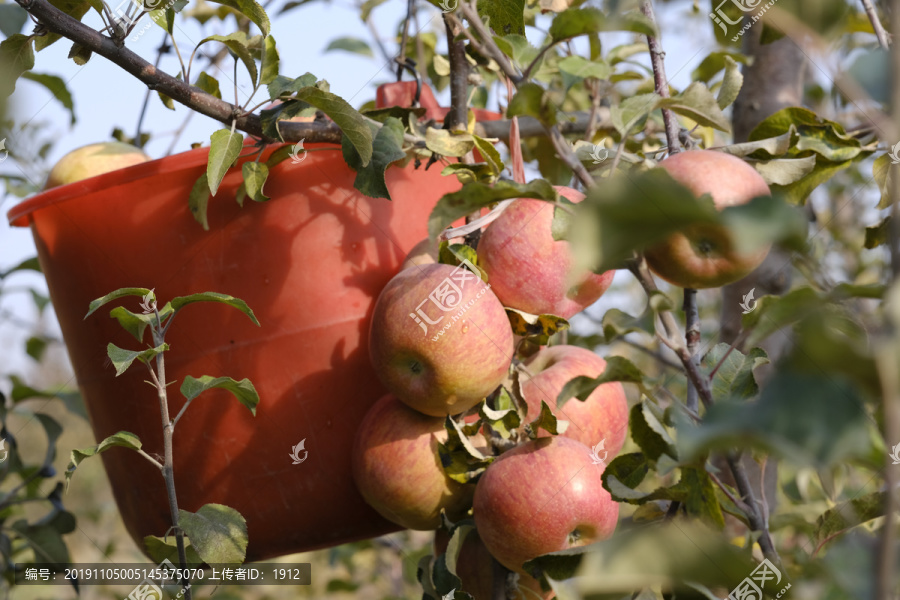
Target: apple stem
column 692, row 337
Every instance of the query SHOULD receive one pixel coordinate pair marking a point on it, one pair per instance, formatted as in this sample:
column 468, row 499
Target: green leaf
column 353, row 125
column 237, row 44
column 698, row 103
column 505, row 418
column 29, row 264
column 489, row 153
column 531, row 100
column 504, row 16
column 208, row 84
column 575, row 69
column 618, row 368
column 285, row 85
column 79, row 54
column 159, row 551
column 243, row 390
column 461, row 461
column 714, row 63
column 826, row 138
column 476, row 195
column 16, row 57
column 167, row 102
column 851, row 513
column 56, row 86
column 632, row 110
column 458, row 254
column 270, row 62
column 631, row 21
column 576, row 21
column 119, row 293
column 731, row 84
column 35, row 347
column 784, row 172
column 218, row 533
column 878, row 235
column 788, row 419
column 122, row 358
column 251, row 10
column 881, row 171
column 136, row 324
column 538, row 326
column 350, row 44
column 649, row 433
column 255, row 175
column 75, row 9
column 198, row 200
column 123, row 439
column 224, row 149
column 734, row 380
column 181, row 301
column 45, row 540
column 387, row 148
column 626, row 470
column 447, row 143
column 547, row 421
column 12, row 18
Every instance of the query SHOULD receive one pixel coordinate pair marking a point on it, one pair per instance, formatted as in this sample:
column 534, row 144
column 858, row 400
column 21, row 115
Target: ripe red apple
column 704, row 256
column 602, row 417
column 475, row 569
column 396, row 467
column 92, row 160
column 543, row 496
column 528, row 269
column 440, row 340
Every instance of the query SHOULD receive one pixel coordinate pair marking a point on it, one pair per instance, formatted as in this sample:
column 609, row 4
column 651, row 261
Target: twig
column 880, row 33
column 737, row 501
column 692, row 337
column 754, row 515
column 565, row 152
column 657, row 59
column 405, row 39
column 487, row 42
column 595, row 108
column 737, row 342
column 459, row 76
column 163, row 49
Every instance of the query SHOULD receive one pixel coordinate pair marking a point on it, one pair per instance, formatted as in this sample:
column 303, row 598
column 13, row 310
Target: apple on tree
column 475, row 569
column 603, row 416
column 704, row 256
column 396, row 467
column 529, row 270
column 543, row 496
column 440, row 340
column 92, row 160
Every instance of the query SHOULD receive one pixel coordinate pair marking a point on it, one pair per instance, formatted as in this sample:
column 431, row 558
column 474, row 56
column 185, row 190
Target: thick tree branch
column 657, row 59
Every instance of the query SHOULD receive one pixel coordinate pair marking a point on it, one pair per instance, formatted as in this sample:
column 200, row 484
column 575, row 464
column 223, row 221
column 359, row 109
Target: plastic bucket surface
column 310, row 263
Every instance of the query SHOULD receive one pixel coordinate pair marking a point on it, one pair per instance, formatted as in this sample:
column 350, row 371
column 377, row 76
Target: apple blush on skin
column 544, row 496
column 603, row 416
column 440, row 340
column 528, row 269
column 396, row 468
column 704, row 256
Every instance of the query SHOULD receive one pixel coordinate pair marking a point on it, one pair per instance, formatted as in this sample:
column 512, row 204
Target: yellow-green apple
column 705, row 256
column 396, row 467
column 602, row 417
column 475, row 569
column 93, row 160
column 440, row 340
column 543, row 496
column 528, row 269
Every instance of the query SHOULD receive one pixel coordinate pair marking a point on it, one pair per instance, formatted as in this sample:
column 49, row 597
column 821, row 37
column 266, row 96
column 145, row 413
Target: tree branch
column 757, row 522
column 657, row 59
column 880, row 33
column 487, row 42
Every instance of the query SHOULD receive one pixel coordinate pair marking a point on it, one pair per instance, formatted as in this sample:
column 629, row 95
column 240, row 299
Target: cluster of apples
column 441, row 343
